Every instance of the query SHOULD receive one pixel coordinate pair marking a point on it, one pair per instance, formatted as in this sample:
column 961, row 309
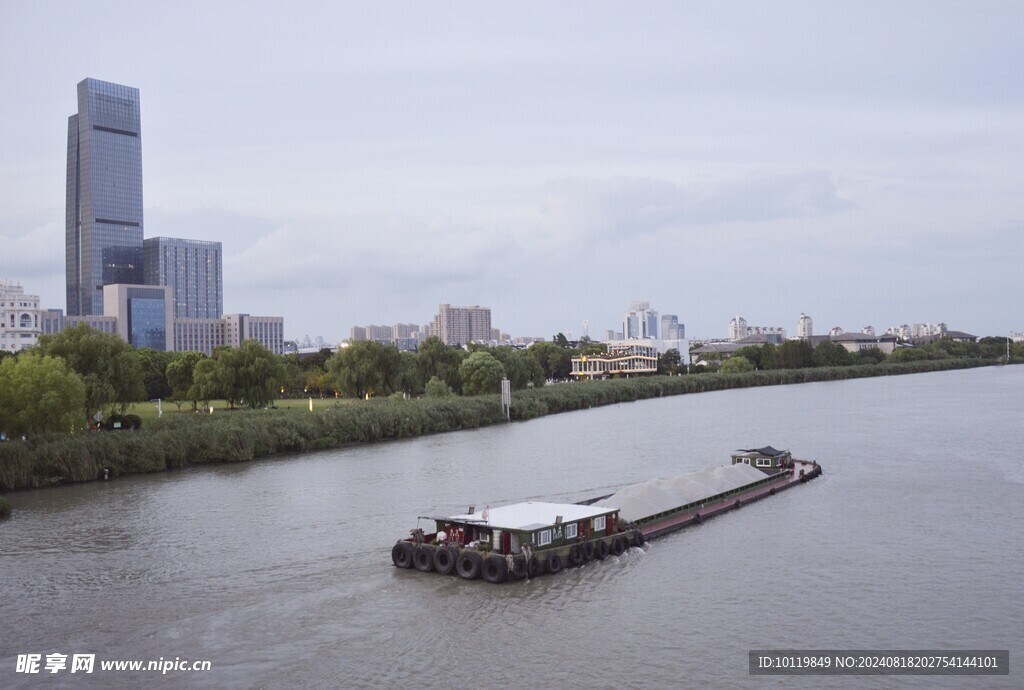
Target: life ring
column 468, row 564
column 494, row 569
column 401, row 554
column 423, row 558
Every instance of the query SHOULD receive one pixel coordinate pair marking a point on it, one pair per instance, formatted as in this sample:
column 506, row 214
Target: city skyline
column 550, row 163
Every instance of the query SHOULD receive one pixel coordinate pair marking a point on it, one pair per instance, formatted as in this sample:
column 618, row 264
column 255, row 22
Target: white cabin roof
column 531, row 515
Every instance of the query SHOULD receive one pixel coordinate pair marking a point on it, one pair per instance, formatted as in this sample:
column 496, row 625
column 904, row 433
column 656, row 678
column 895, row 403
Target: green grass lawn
column 147, row 410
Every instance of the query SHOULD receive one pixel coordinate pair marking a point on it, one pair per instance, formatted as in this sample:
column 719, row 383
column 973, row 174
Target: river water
column 279, row 572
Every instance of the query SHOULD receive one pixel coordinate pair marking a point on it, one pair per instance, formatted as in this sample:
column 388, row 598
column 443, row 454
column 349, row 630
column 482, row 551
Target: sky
column 364, row 162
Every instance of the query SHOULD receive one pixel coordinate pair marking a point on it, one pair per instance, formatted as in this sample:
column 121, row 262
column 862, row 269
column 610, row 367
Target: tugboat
column 516, row 541
column 532, row 538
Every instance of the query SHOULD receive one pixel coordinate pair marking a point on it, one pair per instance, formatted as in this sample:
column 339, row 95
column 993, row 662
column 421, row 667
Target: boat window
column 599, row 524
column 544, row 537
column 764, row 462
column 484, row 537
column 570, row 531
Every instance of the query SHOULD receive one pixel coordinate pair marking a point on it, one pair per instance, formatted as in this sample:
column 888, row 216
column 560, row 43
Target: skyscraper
column 640, row 321
column 103, row 240
column 193, row 271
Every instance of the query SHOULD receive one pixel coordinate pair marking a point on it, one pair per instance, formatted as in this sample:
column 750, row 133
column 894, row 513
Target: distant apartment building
column 836, row 330
column 193, row 269
column 737, row 328
column 640, row 321
column 923, row 330
column 1017, row 336
column 20, row 318
column 868, row 330
column 804, row 326
column 461, row 325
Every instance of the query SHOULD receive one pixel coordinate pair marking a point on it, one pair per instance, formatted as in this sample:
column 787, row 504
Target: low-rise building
column 623, row 359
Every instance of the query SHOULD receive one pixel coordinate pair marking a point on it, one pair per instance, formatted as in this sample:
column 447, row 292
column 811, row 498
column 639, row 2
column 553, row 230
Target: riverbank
column 241, row 436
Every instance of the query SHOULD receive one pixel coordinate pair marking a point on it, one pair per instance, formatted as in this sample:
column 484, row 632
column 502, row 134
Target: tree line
column 73, row 378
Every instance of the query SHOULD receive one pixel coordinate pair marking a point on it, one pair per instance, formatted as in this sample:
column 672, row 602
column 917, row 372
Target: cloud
column 625, row 207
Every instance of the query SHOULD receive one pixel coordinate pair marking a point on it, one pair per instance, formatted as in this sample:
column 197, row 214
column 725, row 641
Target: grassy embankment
column 182, row 440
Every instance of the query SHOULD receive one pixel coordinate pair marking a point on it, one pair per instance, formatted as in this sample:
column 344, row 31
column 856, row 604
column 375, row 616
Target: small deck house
column 540, row 525
column 767, row 459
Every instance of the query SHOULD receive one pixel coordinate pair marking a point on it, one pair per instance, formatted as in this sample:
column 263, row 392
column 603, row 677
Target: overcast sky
column 362, row 162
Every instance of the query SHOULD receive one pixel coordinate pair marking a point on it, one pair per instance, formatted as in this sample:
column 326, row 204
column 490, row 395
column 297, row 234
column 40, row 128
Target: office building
column 640, row 321
column 268, row 331
column 671, row 329
column 143, row 314
column 193, row 269
column 103, row 223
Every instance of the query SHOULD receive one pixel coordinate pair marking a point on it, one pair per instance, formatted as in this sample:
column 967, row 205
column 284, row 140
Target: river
column 278, row 572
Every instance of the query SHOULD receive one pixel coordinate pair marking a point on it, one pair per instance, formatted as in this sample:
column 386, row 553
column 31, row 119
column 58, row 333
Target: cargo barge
column 528, row 539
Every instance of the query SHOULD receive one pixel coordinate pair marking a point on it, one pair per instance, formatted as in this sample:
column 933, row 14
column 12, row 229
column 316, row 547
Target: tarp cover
column 659, row 495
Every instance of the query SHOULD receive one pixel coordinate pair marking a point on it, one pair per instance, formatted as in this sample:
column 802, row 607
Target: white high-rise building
column 804, row 327
column 737, row 328
column 20, row 318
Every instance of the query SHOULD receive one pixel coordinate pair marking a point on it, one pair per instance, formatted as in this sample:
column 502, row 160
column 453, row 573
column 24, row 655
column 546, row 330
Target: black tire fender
column 601, row 550
column 576, row 555
column 468, row 565
column 494, row 569
column 423, row 558
column 444, row 559
column 554, row 563
column 401, row 554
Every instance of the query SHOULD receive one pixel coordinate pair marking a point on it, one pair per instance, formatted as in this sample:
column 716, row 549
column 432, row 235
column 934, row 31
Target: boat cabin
column 768, row 459
column 539, row 525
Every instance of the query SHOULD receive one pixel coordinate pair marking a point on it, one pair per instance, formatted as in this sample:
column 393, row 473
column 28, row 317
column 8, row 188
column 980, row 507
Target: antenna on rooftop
column 586, row 327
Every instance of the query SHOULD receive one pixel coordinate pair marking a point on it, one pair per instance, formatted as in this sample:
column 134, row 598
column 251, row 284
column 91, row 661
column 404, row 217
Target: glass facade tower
column 103, row 241
column 192, row 269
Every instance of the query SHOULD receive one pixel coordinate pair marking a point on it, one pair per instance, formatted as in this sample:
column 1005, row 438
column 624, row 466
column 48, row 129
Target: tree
column 752, row 353
column 796, row 354
column 669, row 361
column 871, row 355
column 521, row 369
column 437, row 359
column 108, row 366
column 39, row 394
column 554, row 361
column 828, row 354
column 481, row 373
column 205, row 385
column 560, row 340
column 154, row 372
column 436, row 388
column 737, row 364
column 259, row 373
column 365, row 368
column 179, row 375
